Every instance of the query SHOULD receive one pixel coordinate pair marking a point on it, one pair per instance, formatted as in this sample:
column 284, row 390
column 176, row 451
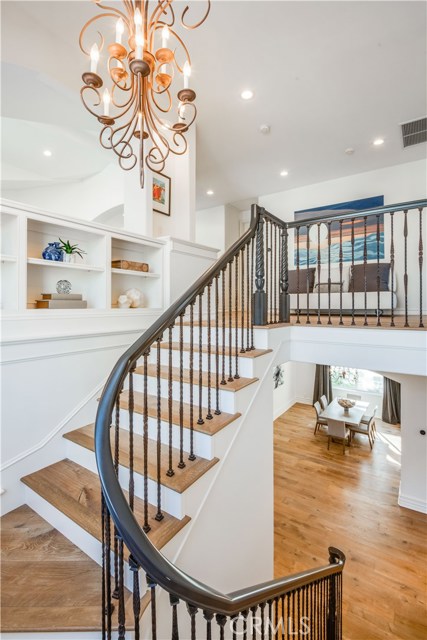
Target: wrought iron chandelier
column 147, row 62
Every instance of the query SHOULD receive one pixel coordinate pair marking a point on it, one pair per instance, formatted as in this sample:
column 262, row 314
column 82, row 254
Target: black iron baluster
column 209, row 415
column 159, row 515
column 252, row 294
column 146, row 526
column 200, row 419
column 236, row 321
column 221, row 620
column 271, row 273
column 103, row 574
column 174, row 600
column 192, row 610
column 108, row 595
column 405, row 276
column 262, row 608
column 131, row 407
column 341, row 270
column 208, row 616
column 378, row 271
column 392, row 266
column 318, row 273
column 234, row 621
column 136, row 599
column 170, row 472
column 284, row 311
column 192, row 455
column 230, row 322
column 329, row 272
column 270, row 618
column 253, row 612
column 353, row 322
column 365, row 260
column 260, row 296
column 244, row 615
column 223, row 380
column 267, row 281
column 121, row 597
column 298, row 277
column 307, row 279
column 152, row 586
column 298, row 610
column 420, row 263
column 217, row 409
column 116, row 468
column 248, row 295
column 181, row 463
column 242, row 300
column 276, row 265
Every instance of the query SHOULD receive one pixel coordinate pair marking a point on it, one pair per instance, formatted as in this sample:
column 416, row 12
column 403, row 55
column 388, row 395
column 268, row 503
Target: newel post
column 284, row 310
column 260, row 297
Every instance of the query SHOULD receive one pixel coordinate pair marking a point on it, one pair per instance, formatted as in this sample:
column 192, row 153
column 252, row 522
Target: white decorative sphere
column 135, row 296
column 123, row 301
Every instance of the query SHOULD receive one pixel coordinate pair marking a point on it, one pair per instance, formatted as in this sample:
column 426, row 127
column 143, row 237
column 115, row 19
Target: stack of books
column 61, row 301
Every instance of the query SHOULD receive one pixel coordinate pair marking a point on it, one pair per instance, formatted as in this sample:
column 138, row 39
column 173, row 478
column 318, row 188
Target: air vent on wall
column 414, row 132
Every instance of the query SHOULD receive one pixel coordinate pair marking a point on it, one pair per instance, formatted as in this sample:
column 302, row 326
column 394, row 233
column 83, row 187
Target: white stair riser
column 187, row 335
column 202, row 443
column 245, row 365
column 227, row 400
column 171, row 500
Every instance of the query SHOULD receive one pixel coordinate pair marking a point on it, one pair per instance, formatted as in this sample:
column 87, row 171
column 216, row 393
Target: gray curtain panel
column 322, row 383
column 391, row 401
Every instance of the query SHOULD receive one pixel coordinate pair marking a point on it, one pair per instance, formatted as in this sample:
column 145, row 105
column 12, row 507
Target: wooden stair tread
column 234, row 385
column 48, row 584
column 76, row 492
column 254, row 353
column 180, row 481
column 209, row 427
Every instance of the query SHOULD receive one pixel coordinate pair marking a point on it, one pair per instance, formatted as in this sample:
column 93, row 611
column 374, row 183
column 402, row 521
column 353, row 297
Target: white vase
column 69, row 258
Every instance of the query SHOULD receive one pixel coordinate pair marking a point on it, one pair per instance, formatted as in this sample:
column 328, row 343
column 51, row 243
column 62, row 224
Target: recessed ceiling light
column 247, row 94
column 209, row 192
column 378, row 142
column 283, row 173
column 47, row 153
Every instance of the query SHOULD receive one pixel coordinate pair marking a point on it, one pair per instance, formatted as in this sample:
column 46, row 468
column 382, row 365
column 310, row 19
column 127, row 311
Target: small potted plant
column 70, row 251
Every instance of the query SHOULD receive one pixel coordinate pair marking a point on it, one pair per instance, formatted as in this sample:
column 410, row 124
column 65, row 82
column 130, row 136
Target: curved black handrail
column 145, row 554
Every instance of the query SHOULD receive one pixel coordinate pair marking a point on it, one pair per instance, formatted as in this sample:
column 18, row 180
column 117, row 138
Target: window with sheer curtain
column 357, row 379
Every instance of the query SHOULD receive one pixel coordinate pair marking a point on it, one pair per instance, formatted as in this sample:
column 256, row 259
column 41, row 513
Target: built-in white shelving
column 25, row 233
column 131, row 272
column 64, row 265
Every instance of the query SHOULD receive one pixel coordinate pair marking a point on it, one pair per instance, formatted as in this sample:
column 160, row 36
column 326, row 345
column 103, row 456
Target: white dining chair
column 366, row 430
column 338, row 430
column 353, row 396
column 324, row 402
column 319, row 421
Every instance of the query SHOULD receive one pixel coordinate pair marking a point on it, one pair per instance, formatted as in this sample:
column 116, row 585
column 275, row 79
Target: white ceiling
column 326, row 76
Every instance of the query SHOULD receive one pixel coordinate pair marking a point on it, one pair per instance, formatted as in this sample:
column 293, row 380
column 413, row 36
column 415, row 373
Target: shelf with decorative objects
column 43, row 251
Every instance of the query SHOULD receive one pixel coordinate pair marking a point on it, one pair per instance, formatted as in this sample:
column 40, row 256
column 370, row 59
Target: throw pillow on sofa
column 323, row 287
column 301, row 275
column 357, row 277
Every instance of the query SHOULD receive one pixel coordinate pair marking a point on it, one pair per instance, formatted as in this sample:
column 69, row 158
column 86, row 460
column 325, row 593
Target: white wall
column 298, row 387
column 210, row 227
column 413, row 477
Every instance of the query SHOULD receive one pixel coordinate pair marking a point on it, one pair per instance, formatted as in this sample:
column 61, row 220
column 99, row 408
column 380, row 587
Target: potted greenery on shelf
column 70, row 251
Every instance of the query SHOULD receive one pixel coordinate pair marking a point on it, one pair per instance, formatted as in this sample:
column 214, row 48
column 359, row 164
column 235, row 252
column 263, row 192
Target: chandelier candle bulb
column 139, row 51
column 165, row 36
column 120, row 27
column 187, row 73
column 94, row 58
column 106, row 98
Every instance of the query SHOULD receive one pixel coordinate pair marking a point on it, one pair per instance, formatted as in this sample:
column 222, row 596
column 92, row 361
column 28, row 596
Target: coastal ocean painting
column 359, row 237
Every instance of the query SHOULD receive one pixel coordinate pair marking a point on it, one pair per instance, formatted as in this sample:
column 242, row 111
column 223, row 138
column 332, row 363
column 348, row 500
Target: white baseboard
column 412, row 503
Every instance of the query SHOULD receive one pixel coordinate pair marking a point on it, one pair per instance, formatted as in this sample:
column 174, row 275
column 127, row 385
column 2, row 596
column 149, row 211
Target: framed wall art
column 161, row 194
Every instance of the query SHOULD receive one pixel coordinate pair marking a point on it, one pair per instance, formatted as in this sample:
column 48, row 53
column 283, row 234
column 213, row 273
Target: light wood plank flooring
column 323, row 498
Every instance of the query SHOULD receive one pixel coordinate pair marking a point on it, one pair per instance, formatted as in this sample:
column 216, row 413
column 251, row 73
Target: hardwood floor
column 48, row 584
column 323, row 498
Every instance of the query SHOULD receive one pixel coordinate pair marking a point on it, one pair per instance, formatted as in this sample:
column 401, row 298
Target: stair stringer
column 215, row 548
